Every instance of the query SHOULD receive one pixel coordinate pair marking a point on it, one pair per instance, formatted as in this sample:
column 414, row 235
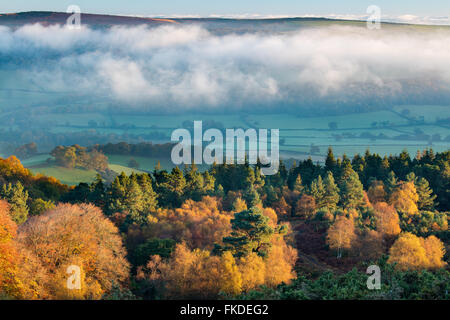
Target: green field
column 67, row 176
column 384, row 132
column 38, row 164
column 145, row 164
column 352, row 133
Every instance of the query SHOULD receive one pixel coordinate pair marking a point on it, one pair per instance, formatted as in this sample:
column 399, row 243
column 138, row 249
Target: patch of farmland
column 429, row 113
column 356, row 120
column 127, row 170
column 145, row 163
column 175, row 121
column 65, row 175
column 76, row 119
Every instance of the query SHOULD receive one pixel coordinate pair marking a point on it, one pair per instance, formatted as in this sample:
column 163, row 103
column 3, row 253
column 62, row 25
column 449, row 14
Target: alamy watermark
column 374, row 20
column 374, row 280
column 214, row 151
column 74, row 20
column 74, row 279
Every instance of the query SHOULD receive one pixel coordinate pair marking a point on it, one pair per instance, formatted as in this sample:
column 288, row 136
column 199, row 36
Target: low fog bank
column 185, row 68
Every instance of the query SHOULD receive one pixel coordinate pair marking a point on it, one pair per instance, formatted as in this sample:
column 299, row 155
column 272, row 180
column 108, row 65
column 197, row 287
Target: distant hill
column 49, row 18
column 214, row 25
column 223, row 24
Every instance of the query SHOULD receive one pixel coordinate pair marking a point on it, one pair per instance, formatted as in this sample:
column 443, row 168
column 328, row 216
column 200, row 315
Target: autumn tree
column 195, row 274
column 76, row 235
column 435, row 251
column 239, row 205
column 279, row 263
column 199, row 224
column 305, row 207
column 404, row 198
column 282, row 208
column 410, row 252
column 9, row 286
column 387, row 220
column 341, row 234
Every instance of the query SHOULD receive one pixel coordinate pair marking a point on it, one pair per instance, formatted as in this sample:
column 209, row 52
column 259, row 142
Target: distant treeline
column 12, row 139
column 80, row 157
column 143, row 149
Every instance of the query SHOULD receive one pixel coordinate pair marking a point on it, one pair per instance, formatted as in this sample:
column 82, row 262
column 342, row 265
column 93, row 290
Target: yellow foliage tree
column 388, row 222
column 435, row 251
column 341, row 234
column 404, row 198
column 252, row 269
column 9, row 284
column 231, row 279
column 410, row 252
column 279, row 263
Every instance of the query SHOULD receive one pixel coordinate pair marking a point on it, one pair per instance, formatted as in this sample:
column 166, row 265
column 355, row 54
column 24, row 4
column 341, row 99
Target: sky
column 420, row 8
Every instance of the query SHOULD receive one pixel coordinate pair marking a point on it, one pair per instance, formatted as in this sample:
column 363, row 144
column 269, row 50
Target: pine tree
column 426, row 196
column 411, row 177
column 97, row 194
column 352, row 192
column 251, row 233
column 219, row 192
column 330, row 162
column 116, row 194
column 252, row 198
column 331, row 195
column 317, row 191
column 391, row 183
column 149, row 196
column 134, row 201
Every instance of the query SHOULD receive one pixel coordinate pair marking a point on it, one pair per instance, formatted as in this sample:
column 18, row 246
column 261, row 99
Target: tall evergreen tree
column 351, row 188
column 251, row 233
column 331, row 195
column 317, row 191
column 390, row 183
column 251, row 197
column 330, row 161
column 150, row 201
column 425, row 193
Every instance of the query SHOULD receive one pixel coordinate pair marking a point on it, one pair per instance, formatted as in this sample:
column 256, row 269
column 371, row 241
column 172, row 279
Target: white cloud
column 185, row 67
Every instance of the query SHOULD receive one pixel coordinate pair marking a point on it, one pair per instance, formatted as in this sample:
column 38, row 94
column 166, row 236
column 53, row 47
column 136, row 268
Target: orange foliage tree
column 9, row 286
column 200, row 224
column 306, row 207
column 76, row 235
column 388, row 222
